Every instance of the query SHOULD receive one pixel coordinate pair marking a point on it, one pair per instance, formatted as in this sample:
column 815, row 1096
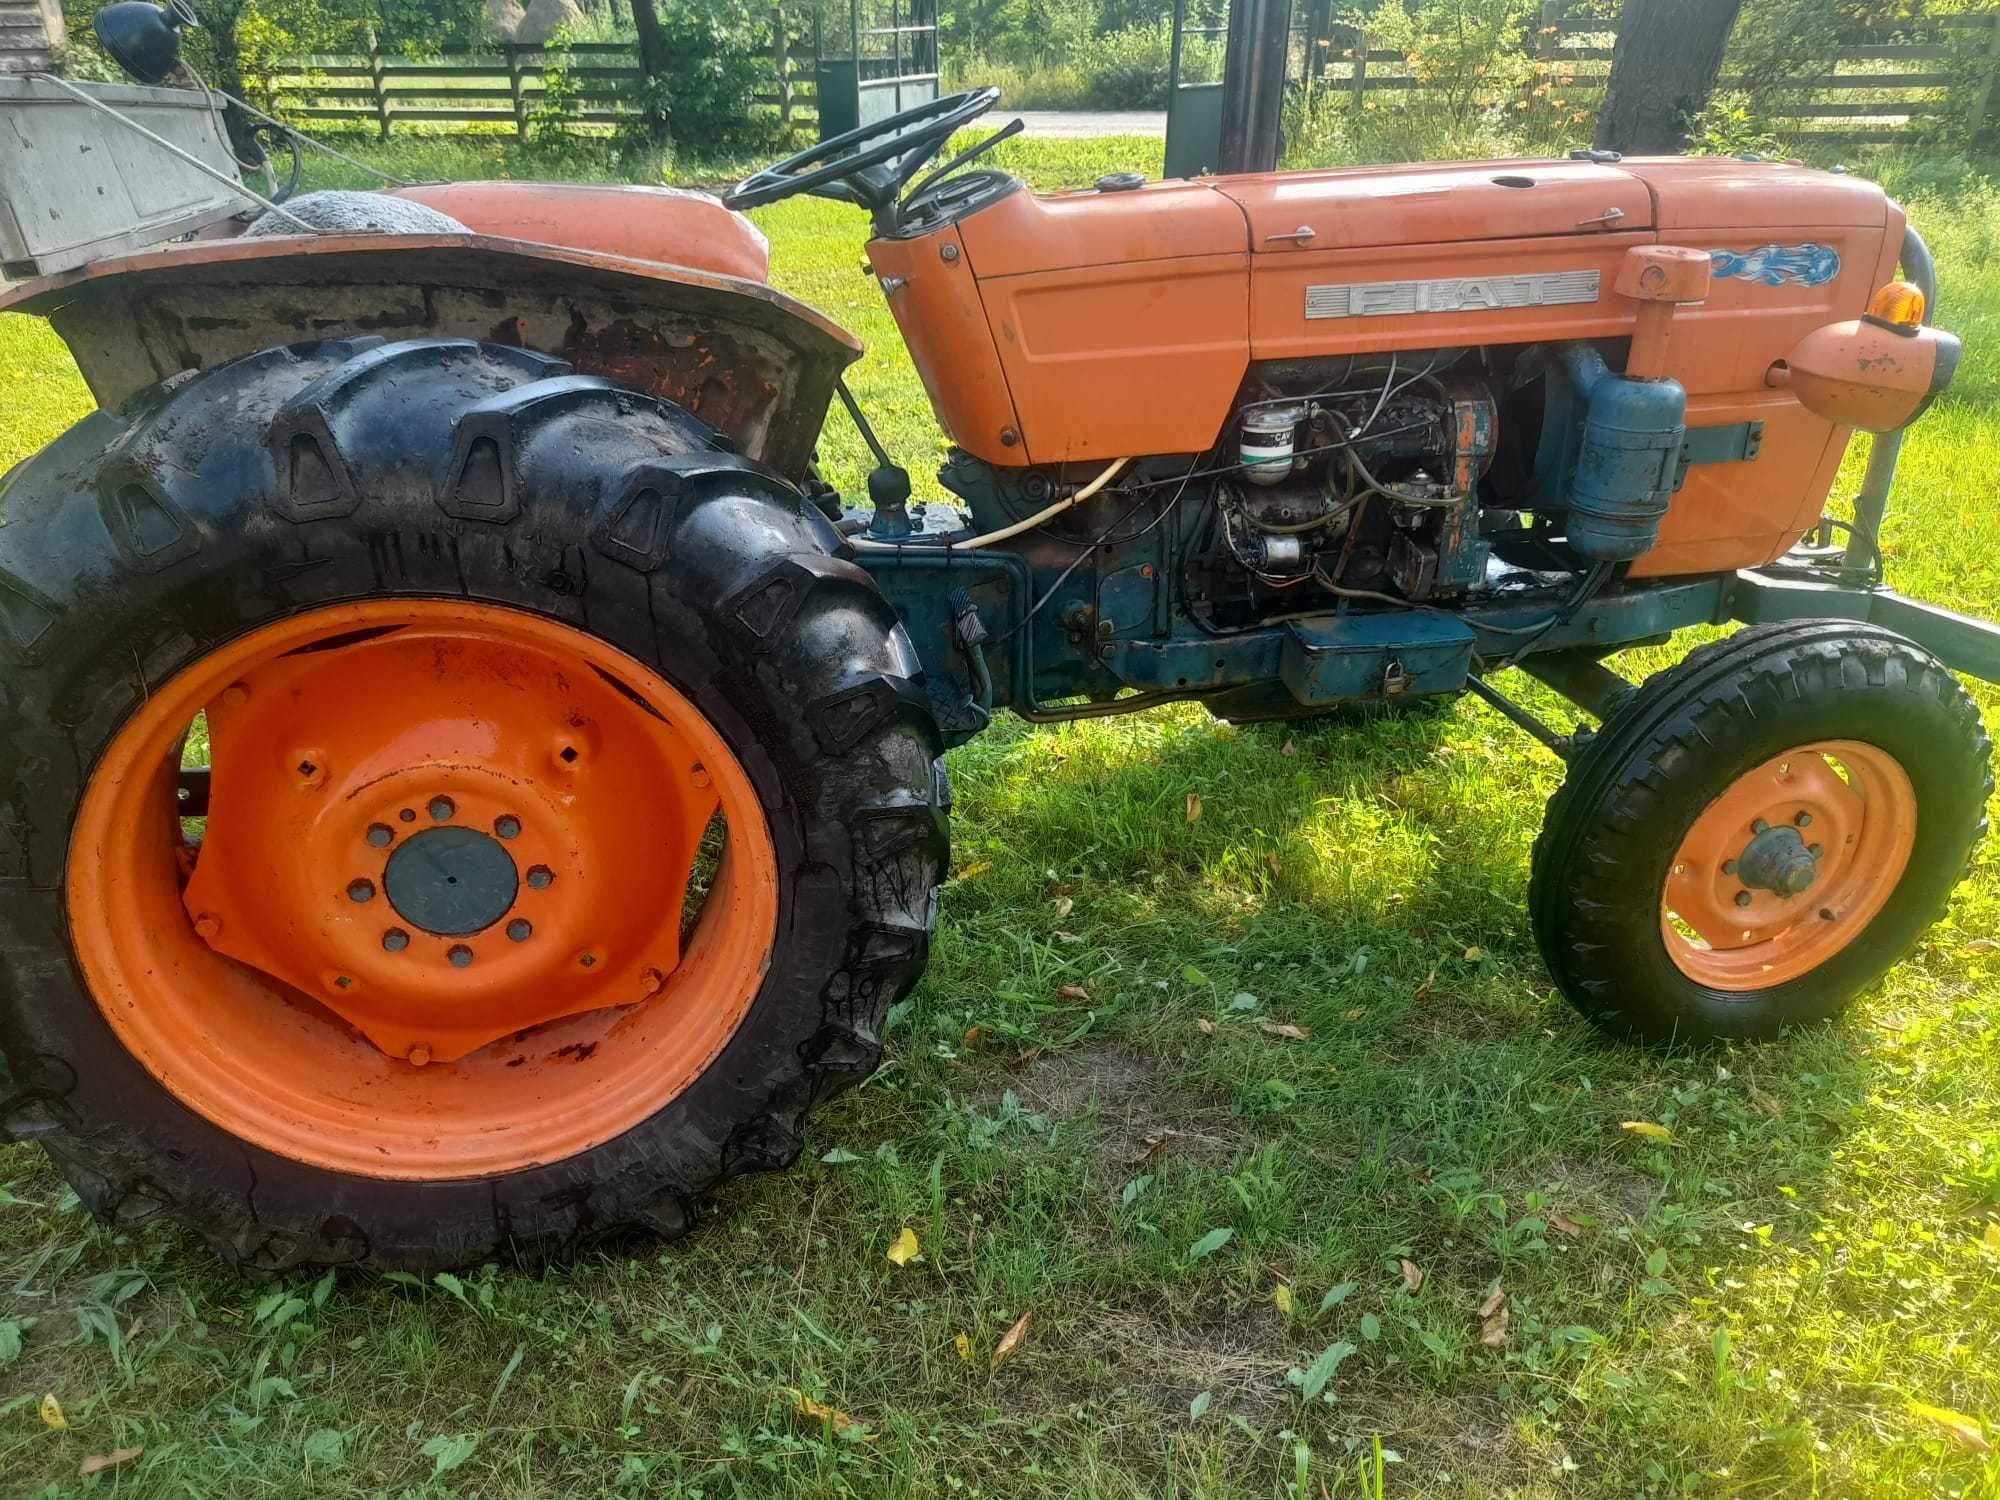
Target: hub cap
column 1789, row 865
column 433, row 924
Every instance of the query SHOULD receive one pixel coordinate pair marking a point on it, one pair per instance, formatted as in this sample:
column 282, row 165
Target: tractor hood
column 1445, row 203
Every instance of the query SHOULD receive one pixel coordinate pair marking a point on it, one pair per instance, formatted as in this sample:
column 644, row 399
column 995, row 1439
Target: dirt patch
column 1139, row 1112
column 1239, row 1358
column 1612, row 1194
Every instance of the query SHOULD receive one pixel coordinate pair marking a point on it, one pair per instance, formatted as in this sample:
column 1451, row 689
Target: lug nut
column 520, row 929
column 540, row 876
column 419, row 1055
column 699, row 776
column 459, row 954
column 1804, row 820
column 208, row 927
column 360, row 890
column 407, row 815
column 1760, row 826
column 441, row 809
column 652, row 982
column 1744, row 898
column 395, row 940
column 1729, row 867
column 1816, row 850
column 381, row 835
column 235, row 695
column 507, row 825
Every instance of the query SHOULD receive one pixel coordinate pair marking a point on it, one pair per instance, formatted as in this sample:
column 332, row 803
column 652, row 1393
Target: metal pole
column 1864, row 549
column 1253, row 84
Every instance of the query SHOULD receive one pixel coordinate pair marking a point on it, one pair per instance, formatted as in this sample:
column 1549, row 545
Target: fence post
column 1548, row 35
column 516, row 86
column 1358, row 83
column 375, row 78
column 780, row 50
column 1986, row 94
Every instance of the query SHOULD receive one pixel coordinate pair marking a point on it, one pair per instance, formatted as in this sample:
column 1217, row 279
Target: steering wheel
column 869, row 165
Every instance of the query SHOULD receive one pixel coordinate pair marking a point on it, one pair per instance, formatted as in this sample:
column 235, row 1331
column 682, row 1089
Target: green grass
column 1749, row 1307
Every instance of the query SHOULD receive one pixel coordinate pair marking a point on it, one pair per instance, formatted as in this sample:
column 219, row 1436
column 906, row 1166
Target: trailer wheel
column 1760, row 833
column 573, row 815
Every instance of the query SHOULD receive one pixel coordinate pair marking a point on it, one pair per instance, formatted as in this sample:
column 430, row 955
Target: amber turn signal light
column 1899, row 304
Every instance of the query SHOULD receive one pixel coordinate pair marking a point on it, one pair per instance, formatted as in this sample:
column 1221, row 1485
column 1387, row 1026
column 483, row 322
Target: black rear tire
column 1635, row 789
column 296, row 478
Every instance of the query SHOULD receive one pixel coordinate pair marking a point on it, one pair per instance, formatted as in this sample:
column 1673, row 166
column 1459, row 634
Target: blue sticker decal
column 1778, row 265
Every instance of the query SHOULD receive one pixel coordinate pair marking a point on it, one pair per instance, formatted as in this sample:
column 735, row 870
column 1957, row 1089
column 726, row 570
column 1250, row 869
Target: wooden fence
column 505, row 86
column 1872, row 93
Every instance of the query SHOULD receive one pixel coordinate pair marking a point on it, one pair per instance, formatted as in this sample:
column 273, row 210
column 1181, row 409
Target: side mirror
column 144, row 39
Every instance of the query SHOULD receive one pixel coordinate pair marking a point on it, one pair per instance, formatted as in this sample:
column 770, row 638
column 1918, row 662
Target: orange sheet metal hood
column 673, row 226
column 1436, row 203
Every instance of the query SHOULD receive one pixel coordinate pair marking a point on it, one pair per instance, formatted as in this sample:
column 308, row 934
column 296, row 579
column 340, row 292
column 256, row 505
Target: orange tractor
column 469, row 782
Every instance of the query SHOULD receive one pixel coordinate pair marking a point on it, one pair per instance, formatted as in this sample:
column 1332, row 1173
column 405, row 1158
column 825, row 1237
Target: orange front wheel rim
column 1789, row 865
column 439, row 921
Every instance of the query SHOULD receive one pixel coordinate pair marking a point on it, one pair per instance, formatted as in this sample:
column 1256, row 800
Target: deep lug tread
column 860, row 822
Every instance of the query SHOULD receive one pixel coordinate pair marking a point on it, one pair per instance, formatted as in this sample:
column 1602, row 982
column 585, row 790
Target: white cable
column 1049, row 513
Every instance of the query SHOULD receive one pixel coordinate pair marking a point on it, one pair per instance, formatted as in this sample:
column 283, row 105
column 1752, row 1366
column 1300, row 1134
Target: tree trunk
column 653, row 64
column 1664, row 68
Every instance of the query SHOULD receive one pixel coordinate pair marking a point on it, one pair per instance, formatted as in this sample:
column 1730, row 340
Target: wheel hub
column 451, row 881
column 434, row 836
column 1777, row 860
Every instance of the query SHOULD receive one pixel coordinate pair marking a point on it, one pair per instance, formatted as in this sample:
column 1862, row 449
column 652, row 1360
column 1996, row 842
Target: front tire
column 1760, row 833
column 549, row 626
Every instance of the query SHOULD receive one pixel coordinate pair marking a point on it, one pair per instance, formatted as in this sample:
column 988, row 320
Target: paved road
column 1086, row 124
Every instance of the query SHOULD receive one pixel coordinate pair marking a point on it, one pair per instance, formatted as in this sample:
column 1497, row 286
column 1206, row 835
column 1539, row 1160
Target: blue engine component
column 1627, row 460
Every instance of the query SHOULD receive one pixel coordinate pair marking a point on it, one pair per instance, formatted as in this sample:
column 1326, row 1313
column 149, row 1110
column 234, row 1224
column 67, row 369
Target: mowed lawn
column 1249, row 1262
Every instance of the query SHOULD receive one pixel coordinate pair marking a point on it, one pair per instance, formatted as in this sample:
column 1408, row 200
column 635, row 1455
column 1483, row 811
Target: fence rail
column 1844, row 106
column 381, row 89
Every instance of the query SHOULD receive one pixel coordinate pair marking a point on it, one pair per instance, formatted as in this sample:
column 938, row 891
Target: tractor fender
column 756, row 365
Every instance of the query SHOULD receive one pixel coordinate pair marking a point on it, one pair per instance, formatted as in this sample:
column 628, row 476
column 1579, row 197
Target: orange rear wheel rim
column 434, row 925
column 1789, row 865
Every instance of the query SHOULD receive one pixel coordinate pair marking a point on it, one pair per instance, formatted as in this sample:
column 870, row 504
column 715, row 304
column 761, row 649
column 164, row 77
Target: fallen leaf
column 1211, row 1242
column 1074, row 992
column 97, row 1463
column 1965, row 1430
column 1009, row 1342
column 977, row 867
column 1648, row 1129
column 963, row 1344
column 1991, row 1239
column 1153, row 1145
column 1894, row 1024
column 904, row 1248
column 972, row 1036
column 1065, row 905
column 1355, row 1013
column 1493, row 1331
column 1412, row 1276
column 1205, row 1026
column 1494, row 1300
column 1473, row 955
column 1765, row 1102
column 1281, row 1296
column 52, row 1413
column 1193, row 807
column 1284, row 1029
column 1288, row 748
column 1982, row 945
column 840, row 1421
column 1563, row 1224
column 1424, row 989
